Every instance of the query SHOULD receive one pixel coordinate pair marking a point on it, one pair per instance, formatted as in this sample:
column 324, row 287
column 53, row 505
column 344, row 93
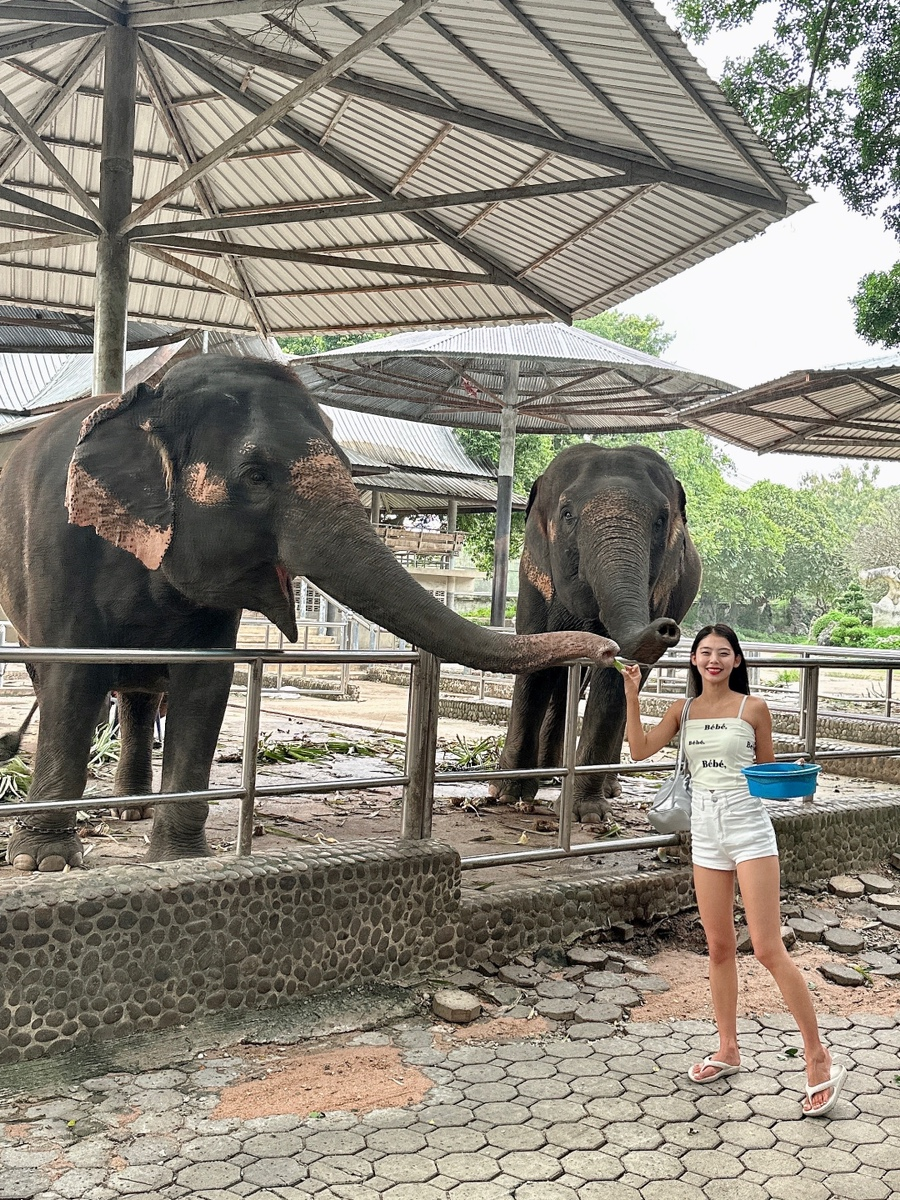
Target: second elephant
column 607, row 550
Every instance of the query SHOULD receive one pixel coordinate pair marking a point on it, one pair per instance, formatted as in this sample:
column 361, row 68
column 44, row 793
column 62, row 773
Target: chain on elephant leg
column 36, row 848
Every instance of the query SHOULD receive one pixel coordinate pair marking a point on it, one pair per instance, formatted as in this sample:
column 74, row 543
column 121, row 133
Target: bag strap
column 679, row 761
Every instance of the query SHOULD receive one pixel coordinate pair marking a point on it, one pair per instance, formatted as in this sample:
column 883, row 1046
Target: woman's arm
column 642, row 744
column 761, row 719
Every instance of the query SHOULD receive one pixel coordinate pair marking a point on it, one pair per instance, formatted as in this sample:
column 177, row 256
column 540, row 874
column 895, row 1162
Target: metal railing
column 420, row 771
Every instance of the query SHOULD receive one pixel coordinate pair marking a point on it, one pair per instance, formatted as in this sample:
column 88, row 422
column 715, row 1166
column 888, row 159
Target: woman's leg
column 715, row 900
column 760, row 882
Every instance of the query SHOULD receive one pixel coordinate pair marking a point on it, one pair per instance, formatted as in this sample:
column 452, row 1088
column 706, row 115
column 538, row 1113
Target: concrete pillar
column 116, row 178
column 508, row 420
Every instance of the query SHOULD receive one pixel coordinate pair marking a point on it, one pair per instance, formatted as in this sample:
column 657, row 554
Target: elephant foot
column 193, row 847
column 514, row 792
column 136, row 813
column 591, row 808
column 35, row 850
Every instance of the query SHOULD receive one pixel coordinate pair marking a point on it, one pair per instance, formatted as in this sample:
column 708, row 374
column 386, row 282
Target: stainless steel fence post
column 570, row 747
column 248, row 762
column 812, row 711
column 888, row 692
column 421, row 747
column 279, row 673
column 803, row 699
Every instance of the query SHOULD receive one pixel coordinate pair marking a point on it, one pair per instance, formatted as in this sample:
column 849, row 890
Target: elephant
column 607, row 550
column 151, row 520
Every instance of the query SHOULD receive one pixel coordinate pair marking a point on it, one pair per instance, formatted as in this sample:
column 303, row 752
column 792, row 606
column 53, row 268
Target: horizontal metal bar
column 322, row 785
column 89, row 803
column 610, row 847
column 47, row 654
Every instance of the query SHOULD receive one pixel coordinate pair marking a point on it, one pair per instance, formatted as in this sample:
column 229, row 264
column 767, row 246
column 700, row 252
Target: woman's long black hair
column 739, row 681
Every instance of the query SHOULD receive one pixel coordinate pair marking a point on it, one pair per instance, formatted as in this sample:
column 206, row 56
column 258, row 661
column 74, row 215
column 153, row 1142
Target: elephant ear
column 120, row 477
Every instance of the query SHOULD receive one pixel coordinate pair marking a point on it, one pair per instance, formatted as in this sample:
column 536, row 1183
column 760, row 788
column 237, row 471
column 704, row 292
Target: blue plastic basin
column 781, row 780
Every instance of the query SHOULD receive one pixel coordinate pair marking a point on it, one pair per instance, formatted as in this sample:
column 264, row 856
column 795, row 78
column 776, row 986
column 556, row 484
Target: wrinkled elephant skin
column 606, row 549
column 151, row 520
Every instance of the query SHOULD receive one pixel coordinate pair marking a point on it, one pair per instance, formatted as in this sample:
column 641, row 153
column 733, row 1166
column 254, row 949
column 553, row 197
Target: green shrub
column 820, row 622
column 855, row 604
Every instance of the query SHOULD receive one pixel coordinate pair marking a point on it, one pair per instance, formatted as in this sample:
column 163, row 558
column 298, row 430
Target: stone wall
column 92, row 955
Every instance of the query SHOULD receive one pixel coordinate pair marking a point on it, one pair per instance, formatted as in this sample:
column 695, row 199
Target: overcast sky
column 778, row 303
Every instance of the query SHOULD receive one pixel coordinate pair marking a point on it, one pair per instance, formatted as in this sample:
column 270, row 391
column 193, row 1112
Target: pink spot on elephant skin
column 203, row 486
column 90, row 504
column 321, row 475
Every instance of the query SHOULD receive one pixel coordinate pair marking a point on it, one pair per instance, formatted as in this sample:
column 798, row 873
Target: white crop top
column 716, row 748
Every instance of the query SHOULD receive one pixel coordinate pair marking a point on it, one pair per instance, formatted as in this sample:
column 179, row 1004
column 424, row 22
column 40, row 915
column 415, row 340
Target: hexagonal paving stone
column 608, row 1191
column 469, row 1168
column 502, row 1114
column 275, row 1172
column 396, row 1141
column 341, row 1168
column 653, row 1164
column 713, row 1164
column 614, row 1108
column 592, row 1164
column 544, row 1191
column 515, row 1137
column 576, row 1135
column 207, row 1175
column 407, row 1168
column 461, row 1141
column 211, row 1149
column 531, row 1166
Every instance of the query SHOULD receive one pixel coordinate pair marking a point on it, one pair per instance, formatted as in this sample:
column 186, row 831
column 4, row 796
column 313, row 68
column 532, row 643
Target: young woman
column 732, row 835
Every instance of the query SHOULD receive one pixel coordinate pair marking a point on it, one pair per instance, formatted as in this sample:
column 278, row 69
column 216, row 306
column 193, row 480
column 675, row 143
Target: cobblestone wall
column 96, row 954
column 93, row 955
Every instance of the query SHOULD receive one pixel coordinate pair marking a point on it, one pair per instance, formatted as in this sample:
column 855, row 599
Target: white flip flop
column 836, row 1082
column 722, row 1069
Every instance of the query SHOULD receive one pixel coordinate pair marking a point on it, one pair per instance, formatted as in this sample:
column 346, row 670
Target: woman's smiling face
column 714, row 658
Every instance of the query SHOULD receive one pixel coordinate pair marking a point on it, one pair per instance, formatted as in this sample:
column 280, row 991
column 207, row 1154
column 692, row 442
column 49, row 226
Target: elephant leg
column 531, row 695
column 198, row 696
column 602, row 731
column 70, row 697
column 134, row 776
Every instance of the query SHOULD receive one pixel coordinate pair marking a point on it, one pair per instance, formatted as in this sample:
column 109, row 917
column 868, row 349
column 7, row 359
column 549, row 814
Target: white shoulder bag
column 670, row 812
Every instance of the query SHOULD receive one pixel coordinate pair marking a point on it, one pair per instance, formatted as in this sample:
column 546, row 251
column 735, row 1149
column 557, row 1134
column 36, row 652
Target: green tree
column 640, row 333
column 824, row 93
column 534, row 452
column 318, row 343
column 813, row 561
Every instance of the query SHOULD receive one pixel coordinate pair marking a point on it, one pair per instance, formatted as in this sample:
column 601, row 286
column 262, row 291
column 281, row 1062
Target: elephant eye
column 256, row 475
column 567, row 515
column 660, row 522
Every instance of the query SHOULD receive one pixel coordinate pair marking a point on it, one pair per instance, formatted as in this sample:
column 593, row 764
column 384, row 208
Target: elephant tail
column 10, row 742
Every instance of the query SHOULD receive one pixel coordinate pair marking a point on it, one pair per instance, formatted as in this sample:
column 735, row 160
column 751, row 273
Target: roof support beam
column 17, row 220
column 588, row 84
column 62, row 216
column 279, row 254
column 179, row 264
column 51, row 242
column 495, row 76
column 24, row 43
column 360, row 177
column 48, row 13
column 391, row 204
column 29, row 134
column 627, row 14
column 496, row 126
column 211, row 10
column 411, row 10
column 51, row 106
column 390, row 53
column 174, row 126
column 109, row 10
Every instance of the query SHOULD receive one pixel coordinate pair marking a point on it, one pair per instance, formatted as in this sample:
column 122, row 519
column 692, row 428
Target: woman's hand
column 631, row 677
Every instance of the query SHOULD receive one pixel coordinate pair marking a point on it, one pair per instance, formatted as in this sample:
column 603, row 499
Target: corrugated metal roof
column 24, row 329
column 850, row 411
column 22, row 376
column 492, row 160
column 430, row 493
column 568, row 380
column 421, row 461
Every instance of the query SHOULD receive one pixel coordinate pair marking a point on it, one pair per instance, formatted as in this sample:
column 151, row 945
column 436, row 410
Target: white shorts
column 728, row 828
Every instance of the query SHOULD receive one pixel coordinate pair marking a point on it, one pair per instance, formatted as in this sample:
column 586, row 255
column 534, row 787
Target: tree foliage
column 824, row 92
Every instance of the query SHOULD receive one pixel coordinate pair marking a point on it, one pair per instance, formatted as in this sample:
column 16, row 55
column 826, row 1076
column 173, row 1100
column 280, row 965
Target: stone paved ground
column 556, row 1117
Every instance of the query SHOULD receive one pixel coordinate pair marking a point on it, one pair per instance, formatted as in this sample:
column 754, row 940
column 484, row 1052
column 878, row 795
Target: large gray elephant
column 151, row 520
column 607, row 550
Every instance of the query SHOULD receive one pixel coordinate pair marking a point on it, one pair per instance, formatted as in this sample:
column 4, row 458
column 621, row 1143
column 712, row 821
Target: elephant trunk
column 617, row 566
column 362, row 574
